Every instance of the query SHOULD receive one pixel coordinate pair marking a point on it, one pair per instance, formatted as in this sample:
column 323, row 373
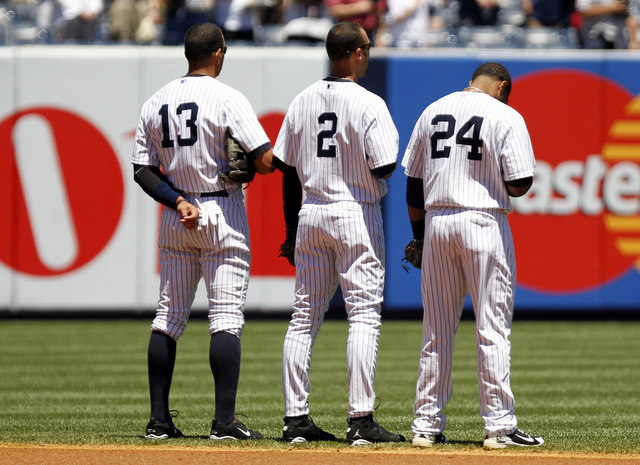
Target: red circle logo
column 572, row 230
column 90, row 185
column 265, row 211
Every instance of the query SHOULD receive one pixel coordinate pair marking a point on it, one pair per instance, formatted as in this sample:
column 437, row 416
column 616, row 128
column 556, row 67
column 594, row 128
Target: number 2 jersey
column 182, row 128
column 335, row 132
column 464, row 146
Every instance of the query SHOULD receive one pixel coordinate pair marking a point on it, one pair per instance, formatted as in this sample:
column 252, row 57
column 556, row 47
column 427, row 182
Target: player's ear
column 502, row 88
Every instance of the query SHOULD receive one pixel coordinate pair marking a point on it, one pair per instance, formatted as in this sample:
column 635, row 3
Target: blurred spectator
column 293, row 9
column 79, row 20
column 441, row 14
column 367, row 13
column 150, row 27
column 305, row 21
column 406, row 24
column 236, row 18
column 124, row 17
column 180, row 15
column 45, row 15
column 548, row 12
column 607, row 24
column 479, row 12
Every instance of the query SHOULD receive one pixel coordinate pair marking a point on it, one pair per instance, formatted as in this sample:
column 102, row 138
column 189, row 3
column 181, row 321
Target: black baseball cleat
column 234, row 430
column 428, row 440
column 365, row 430
column 157, row 430
column 303, row 429
column 517, row 438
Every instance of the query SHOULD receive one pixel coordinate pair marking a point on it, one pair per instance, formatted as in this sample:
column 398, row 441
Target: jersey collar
column 336, row 79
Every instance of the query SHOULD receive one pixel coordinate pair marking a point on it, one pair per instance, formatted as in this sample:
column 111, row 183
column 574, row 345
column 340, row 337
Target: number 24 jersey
column 464, row 146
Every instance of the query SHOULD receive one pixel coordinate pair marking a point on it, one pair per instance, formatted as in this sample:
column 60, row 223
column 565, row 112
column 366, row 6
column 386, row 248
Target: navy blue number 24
column 468, row 134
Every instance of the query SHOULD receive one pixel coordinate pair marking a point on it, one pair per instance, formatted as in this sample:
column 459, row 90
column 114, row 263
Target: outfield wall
column 78, row 233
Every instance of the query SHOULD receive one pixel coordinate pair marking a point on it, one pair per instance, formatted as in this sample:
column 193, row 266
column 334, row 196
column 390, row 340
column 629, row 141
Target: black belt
column 222, row 193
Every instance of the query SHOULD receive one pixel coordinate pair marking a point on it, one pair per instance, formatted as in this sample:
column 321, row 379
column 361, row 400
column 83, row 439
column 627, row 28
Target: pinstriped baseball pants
column 336, row 243
column 218, row 251
column 466, row 252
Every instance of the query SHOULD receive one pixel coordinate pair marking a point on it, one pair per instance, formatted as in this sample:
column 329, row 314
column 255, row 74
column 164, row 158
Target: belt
column 222, row 193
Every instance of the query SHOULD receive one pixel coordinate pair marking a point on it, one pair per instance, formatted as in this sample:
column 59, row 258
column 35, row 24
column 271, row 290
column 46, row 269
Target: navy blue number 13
column 190, row 123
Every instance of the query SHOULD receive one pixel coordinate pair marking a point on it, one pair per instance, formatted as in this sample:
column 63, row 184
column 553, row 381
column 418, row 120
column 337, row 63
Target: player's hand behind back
column 189, row 214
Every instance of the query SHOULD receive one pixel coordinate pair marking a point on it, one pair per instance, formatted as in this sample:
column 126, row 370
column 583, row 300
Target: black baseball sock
column 224, row 358
column 161, row 360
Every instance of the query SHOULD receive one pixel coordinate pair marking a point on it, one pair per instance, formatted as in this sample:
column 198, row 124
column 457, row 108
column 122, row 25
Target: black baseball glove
column 288, row 247
column 413, row 254
column 241, row 168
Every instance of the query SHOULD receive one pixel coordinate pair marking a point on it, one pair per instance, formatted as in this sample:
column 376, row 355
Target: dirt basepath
column 20, row 454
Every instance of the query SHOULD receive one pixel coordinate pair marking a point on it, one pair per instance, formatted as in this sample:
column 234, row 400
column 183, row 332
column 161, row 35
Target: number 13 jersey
column 465, row 146
column 335, row 132
column 182, row 128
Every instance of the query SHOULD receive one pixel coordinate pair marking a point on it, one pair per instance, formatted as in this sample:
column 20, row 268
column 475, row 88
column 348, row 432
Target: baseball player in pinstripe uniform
column 341, row 142
column 204, row 230
column 468, row 153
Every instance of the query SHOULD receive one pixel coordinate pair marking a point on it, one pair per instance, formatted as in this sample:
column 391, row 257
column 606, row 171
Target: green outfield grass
column 85, row 382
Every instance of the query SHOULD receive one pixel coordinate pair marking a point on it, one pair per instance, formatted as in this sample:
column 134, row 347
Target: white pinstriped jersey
column 335, row 132
column 182, row 128
column 464, row 158
column 326, row 117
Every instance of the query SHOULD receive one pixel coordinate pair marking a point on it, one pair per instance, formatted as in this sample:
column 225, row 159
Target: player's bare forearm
column 415, row 214
column 616, row 7
column 519, row 187
column 632, row 27
column 347, row 10
column 264, row 162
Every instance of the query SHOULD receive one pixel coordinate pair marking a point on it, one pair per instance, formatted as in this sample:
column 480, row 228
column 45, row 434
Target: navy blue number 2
column 469, row 135
column 442, row 135
column 190, row 123
column 327, row 134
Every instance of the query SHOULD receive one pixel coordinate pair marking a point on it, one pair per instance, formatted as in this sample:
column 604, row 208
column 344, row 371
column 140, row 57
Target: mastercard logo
column 579, row 226
column 623, row 147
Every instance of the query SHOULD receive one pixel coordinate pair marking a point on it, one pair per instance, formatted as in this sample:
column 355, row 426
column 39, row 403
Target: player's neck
column 344, row 72
column 474, row 89
column 206, row 68
column 341, row 78
column 201, row 72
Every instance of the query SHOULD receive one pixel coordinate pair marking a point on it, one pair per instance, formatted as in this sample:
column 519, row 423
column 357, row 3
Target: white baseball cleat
column 428, row 440
column 517, row 438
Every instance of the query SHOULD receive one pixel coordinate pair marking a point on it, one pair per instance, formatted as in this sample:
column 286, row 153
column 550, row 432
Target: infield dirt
column 21, row 454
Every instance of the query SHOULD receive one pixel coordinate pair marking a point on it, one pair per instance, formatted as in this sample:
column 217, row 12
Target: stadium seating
column 19, row 26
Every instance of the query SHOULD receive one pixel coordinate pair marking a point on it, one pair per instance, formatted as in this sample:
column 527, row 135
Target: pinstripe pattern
column 340, row 236
column 218, row 250
column 365, row 138
column 468, row 250
column 194, row 168
column 457, row 181
column 190, row 116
